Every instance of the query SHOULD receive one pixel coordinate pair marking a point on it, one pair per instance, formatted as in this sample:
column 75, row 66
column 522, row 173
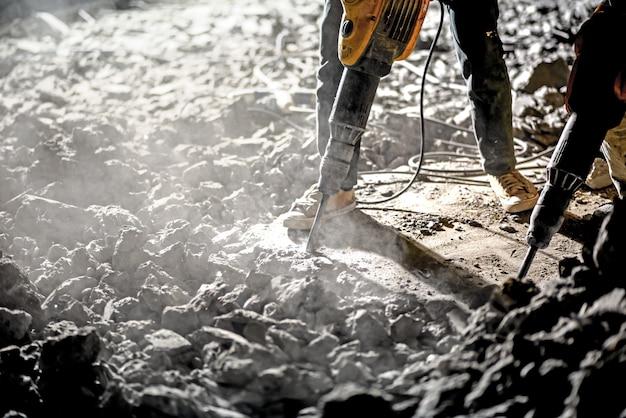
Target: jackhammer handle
column 311, row 244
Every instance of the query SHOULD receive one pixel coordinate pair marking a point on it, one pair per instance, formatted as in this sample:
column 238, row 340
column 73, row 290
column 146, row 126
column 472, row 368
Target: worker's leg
column 479, row 50
column 474, row 27
column 614, row 151
column 329, row 70
column 328, row 78
column 303, row 211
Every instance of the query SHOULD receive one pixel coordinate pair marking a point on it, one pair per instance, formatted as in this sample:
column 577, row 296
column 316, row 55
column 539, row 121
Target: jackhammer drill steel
column 528, row 259
column 311, row 244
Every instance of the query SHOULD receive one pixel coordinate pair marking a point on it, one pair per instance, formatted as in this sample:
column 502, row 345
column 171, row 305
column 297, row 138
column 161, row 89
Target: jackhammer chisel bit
column 528, row 259
column 311, row 244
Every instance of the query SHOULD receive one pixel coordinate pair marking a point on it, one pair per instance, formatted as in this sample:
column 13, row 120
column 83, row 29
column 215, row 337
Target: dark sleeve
column 619, row 5
column 600, row 56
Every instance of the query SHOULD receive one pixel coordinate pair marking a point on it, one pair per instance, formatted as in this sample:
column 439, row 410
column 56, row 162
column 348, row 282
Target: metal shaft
column 528, row 259
column 311, row 244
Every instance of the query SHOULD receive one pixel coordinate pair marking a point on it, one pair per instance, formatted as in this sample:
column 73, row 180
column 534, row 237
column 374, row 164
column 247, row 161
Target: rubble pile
column 145, row 153
column 244, row 342
column 541, row 353
column 256, row 345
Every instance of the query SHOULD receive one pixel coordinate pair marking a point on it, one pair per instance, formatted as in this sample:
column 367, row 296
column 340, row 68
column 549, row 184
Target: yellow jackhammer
column 373, row 35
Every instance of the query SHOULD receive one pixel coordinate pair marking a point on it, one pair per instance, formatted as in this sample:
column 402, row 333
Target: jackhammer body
column 373, row 35
column 348, row 120
column 569, row 166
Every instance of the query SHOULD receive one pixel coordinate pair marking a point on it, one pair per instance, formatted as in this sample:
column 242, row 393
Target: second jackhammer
column 373, row 34
column 570, row 163
column 594, row 106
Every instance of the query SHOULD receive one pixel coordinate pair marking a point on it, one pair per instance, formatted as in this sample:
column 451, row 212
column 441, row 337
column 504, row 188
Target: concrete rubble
column 305, row 350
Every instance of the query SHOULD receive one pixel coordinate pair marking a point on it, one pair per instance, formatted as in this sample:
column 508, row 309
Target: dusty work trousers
column 473, row 25
column 614, row 150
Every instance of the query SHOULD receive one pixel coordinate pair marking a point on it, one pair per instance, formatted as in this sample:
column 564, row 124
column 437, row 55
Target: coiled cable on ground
column 418, row 165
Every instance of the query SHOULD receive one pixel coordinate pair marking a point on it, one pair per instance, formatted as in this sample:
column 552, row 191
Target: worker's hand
column 619, row 87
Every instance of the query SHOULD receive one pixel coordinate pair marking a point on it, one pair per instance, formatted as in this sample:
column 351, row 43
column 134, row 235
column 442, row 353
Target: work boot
column 599, row 176
column 516, row 192
column 303, row 211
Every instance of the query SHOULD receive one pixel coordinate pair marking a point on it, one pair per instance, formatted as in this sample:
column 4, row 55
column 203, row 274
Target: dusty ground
column 455, row 238
column 480, row 239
